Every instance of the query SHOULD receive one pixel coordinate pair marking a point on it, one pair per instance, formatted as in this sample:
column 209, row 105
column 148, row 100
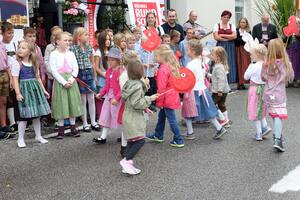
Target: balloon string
column 166, row 92
column 83, row 84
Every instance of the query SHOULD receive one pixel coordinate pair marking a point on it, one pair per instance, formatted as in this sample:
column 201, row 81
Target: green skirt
column 35, row 103
column 66, row 103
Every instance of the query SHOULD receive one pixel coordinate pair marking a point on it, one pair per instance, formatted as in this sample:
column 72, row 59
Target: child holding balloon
column 169, row 100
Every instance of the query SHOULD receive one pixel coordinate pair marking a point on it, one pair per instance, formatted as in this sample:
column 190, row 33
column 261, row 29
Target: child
column 134, row 124
column 219, row 82
column 66, row 102
column 256, row 111
column 165, row 39
column 120, row 42
column 130, row 42
column 175, row 38
column 30, row 92
column 185, row 59
column 276, row 73
column 84, row 55
column 111, row 106
column 137, row 32
column 205, row 106
column 7, row 30
column 169, row 101
column 100, row 65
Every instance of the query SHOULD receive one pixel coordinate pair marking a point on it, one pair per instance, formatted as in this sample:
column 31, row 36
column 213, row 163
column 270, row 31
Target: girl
column 276, row 73
column 169, row 101
column 134, row 124
column 66, row 97
column 111, row 106
column 219, row 83
column 256, row 111
column 84, row 55
column 205, row 107
column 120, row 42
column 30, row 92
column 100, row 64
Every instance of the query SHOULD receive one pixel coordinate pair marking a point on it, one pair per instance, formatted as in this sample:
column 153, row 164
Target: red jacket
column 170, row 99
column 112, row 81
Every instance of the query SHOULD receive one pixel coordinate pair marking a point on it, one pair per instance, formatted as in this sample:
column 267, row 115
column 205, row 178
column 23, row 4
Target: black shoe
column 220, row 133
column 119, row 139
column 153, row 108
column 123, row 151
column 86, row 129
column 74, row 131
column 96, row 127
column 13, row 128
column 5, row 129
column 278, row 145
column 99, row 140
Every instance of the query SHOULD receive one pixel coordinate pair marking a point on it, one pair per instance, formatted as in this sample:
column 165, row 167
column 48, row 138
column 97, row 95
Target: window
column 239, row 9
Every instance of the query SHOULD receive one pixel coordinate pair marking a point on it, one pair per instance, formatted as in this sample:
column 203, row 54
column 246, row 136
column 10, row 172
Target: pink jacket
column 274, row 91
column 170, row 99
column 112, row 81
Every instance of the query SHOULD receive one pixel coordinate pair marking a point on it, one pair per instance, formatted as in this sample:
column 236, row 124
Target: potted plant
column 74, row 13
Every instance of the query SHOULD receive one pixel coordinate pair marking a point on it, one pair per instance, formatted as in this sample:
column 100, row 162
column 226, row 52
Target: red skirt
column 243, row 60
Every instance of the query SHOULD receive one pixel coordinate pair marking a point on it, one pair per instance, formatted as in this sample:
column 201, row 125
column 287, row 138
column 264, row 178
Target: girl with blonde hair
column 167, row 102
column 276, row 72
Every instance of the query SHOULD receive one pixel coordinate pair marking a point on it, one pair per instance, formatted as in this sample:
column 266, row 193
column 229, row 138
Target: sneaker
column 153, row 138
column 188, row 136
column 13, row 128
column 86, row 129
column 258, row 137
column 266, row 131
column 224, row 122
column 41, row 140
column 5, row 129
column 99, row 140
column 278, row 145
column 21, row 143
column 220, row 133
column 177, row 145
column 127, row 167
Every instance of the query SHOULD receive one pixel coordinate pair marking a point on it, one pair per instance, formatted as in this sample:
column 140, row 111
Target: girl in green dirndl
column 66, row 101
column 30, row 92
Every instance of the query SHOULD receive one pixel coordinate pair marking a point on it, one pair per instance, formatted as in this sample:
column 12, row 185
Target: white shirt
column 216, row 27
column 196, row 67
column 57, row 61
column 253, row 72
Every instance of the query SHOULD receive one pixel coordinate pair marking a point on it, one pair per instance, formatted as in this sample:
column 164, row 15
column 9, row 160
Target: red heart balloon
column 185, row 82
column 152, row 40
column 291, row 28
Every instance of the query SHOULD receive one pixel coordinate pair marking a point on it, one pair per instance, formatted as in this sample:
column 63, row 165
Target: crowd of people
column 118, row 83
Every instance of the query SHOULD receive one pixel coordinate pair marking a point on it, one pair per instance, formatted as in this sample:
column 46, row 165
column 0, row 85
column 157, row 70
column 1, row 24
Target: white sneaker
column 128, row 168
column 21, row 143
column 41, row 140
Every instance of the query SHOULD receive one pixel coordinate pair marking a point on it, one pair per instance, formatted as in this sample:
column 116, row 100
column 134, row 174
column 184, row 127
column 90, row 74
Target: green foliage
column 279, row 11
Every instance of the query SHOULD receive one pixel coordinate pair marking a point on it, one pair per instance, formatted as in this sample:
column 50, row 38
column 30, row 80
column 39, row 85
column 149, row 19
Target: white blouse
column 253, row 73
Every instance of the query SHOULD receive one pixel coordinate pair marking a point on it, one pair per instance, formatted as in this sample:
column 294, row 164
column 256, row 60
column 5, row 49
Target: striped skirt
column 35, row 103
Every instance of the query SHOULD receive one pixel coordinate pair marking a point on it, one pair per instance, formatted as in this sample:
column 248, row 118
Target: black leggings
column 133, row 148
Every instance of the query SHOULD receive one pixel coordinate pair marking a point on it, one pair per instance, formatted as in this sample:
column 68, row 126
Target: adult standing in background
column 172, row 25
column 48, row 10
column 200, row 31
column 242, row 56
column 225, row 34
column 183, row 47
column 264, row 31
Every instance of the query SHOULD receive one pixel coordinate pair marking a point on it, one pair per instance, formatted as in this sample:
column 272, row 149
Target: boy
column 130, row 41
column 175, row 38
column 165, row 39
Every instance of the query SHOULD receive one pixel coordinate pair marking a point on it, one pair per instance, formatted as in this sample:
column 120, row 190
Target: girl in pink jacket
column 167, row 102
column 276, row 73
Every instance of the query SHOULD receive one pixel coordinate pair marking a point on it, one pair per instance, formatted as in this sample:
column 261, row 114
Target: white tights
column 92, row 110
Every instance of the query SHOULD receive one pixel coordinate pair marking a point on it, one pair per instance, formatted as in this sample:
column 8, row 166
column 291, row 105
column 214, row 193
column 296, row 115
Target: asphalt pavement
column 234, row 168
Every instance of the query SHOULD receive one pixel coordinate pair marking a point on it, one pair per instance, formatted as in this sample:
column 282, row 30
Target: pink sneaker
column 128, row 168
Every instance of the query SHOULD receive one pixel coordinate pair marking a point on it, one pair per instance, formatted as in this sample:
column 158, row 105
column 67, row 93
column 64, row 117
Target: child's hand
column 46, row 94
column 154, row 97
column 148, row 111
column 20, row 97
column 220, row 94
column 98, row 96
column 114, row 102
column 67, row 85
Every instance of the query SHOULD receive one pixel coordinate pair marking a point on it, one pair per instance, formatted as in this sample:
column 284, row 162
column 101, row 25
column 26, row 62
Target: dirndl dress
column 255, row 106
column 279, row 111
column 66, row 103
column 34, row 104
column 205, row 105
column 189, row 109
column 109, row 113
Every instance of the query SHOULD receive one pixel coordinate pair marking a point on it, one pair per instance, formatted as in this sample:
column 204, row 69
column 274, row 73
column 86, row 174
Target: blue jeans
column 160, row 126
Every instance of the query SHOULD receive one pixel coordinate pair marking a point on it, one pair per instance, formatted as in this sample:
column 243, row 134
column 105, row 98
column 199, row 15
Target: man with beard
column 172, row 25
